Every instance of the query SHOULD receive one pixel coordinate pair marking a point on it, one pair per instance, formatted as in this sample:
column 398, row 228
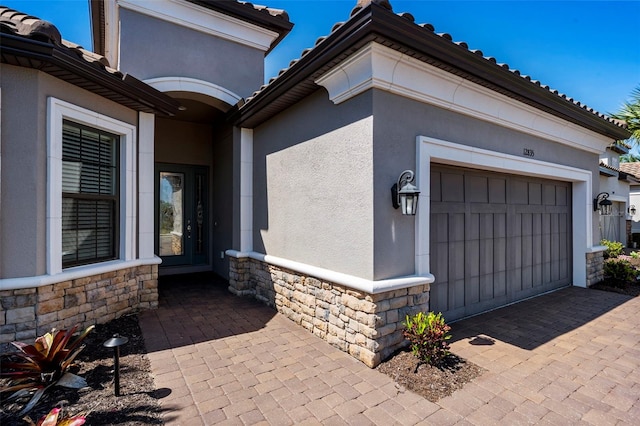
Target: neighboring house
column 286, row 191
column 615, row 183
column 633, row 170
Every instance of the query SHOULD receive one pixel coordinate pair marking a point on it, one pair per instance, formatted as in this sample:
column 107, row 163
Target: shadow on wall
column 196, row 308
column 537, row 321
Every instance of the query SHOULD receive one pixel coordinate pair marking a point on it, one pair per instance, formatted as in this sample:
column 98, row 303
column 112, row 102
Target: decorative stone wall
column 367, row 326
column 595, row 268
column 28, row 313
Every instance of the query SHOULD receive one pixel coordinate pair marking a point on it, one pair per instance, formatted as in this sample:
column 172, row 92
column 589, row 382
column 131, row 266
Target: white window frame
column 57, row 111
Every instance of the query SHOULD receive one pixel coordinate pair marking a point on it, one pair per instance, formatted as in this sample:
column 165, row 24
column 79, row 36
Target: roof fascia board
column 205, row 20
column 408, row 34
column 351, row 32
column 241, row 11
column 145, row 97
column 380, row 67
column 373, row 21
column 129, row 86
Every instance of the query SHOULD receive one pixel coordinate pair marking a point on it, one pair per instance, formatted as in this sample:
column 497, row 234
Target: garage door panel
column 452, row 187
column 435, row 187
column 506, row 238
column 500, row 258
column 535, row 193
column 518, row 191
column 500, row 284
column 486, row 287
column 472, row 290
column 562, row 198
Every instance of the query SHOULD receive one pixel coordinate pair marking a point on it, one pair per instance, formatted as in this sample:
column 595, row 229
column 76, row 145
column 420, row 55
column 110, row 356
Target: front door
column 181, row 212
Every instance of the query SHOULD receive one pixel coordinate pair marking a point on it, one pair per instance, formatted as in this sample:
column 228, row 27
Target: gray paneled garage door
column 496, row 239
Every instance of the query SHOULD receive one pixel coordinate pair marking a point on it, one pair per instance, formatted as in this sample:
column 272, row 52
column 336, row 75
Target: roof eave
column 260, row 18
column 374, row 20
column 53, row 59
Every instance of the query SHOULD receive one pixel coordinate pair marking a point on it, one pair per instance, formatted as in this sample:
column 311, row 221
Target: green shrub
column 428, row 335
column 619, row 272
column 614, row 249
column 635, row 254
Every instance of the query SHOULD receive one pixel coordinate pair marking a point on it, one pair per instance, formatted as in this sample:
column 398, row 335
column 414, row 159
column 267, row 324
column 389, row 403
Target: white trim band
column 74, row 273
column 351, row 281
column 379, row 67
column 193, row 85
column 204, row 20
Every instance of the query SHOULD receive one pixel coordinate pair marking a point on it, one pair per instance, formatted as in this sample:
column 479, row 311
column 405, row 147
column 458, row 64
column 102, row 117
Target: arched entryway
column 193, row 157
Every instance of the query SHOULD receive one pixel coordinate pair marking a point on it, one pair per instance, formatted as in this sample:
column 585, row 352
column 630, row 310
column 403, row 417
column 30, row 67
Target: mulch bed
column 137, row 403
column 629, row 288
column 433, row 383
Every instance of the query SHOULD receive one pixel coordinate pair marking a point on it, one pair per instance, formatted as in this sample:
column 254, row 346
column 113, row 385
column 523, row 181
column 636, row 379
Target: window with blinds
column 89, row 195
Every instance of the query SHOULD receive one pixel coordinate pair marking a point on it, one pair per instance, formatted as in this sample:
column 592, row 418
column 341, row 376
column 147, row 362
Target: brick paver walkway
column 570, row 357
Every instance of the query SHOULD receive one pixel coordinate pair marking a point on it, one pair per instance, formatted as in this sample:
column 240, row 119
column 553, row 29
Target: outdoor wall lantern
column 632, row 210
column 404, row 194
column 603, row 203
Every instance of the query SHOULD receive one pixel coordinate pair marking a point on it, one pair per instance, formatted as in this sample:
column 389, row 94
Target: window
column 89, row 195
column 92, row 207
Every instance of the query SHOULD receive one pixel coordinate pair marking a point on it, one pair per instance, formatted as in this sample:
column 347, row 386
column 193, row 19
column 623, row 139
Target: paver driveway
column 569, row 357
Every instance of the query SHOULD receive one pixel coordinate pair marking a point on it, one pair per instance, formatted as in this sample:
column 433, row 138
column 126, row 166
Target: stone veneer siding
column 367, row 326
column 31, row 312
column 595, row 268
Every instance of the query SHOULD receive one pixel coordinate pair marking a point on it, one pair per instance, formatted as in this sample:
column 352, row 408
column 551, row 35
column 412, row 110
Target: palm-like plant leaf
column 630, row 114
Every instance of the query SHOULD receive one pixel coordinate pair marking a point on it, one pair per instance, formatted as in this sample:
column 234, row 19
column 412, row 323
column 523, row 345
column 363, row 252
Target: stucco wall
column 313, row 197
column 24, row 162
column 182, row 142
column 151, row 48
column 398, row 121
column 222, row 199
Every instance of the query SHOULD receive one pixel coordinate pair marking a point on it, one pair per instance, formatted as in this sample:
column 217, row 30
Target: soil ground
column 137, row 403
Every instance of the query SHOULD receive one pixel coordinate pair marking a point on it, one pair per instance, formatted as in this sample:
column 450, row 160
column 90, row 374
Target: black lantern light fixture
column 115, row 342
column 632, row 210
column 603, row 203
column 404, row 194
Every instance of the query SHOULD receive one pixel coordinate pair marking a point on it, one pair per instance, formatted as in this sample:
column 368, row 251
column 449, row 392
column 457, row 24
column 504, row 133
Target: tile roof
column 277, row 13
column 631, row 168
column 428, row 30
column 28, row 41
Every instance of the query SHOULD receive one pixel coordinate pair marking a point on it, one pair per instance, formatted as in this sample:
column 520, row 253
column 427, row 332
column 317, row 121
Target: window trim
column 57, row 111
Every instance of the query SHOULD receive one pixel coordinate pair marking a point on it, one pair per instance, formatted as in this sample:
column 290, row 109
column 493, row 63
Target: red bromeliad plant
column 38, row 367
column 55, row 418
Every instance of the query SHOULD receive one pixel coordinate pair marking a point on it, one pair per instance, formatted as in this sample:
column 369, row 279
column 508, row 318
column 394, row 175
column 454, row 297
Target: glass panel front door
column 181, row 214
column 171, row 218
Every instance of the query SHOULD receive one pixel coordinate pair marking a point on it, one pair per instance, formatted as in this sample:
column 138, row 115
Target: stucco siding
column 23, row 167
column 24, row 162
column 222, row 201
column 182, row 142
column 151, row 48
column 313, row 196
column 398, row 122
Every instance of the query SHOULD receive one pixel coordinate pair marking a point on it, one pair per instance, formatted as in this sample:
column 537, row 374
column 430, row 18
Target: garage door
column 496, row 239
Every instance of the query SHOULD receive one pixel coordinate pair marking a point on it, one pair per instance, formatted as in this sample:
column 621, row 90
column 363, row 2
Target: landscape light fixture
column 603, row 203
column 404, row 194
column 115, row 342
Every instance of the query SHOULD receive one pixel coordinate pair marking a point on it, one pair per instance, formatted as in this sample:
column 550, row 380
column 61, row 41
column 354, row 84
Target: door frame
column 444, row 152
column 191, row 261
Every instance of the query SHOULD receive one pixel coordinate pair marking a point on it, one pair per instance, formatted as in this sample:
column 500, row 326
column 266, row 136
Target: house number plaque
column 528, row 152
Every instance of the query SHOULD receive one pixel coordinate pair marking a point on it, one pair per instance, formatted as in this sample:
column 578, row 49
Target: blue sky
column 589, row 50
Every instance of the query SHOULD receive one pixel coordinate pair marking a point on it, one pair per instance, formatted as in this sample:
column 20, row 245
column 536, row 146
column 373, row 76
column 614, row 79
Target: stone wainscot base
column 31, row 312
column 367, row 326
